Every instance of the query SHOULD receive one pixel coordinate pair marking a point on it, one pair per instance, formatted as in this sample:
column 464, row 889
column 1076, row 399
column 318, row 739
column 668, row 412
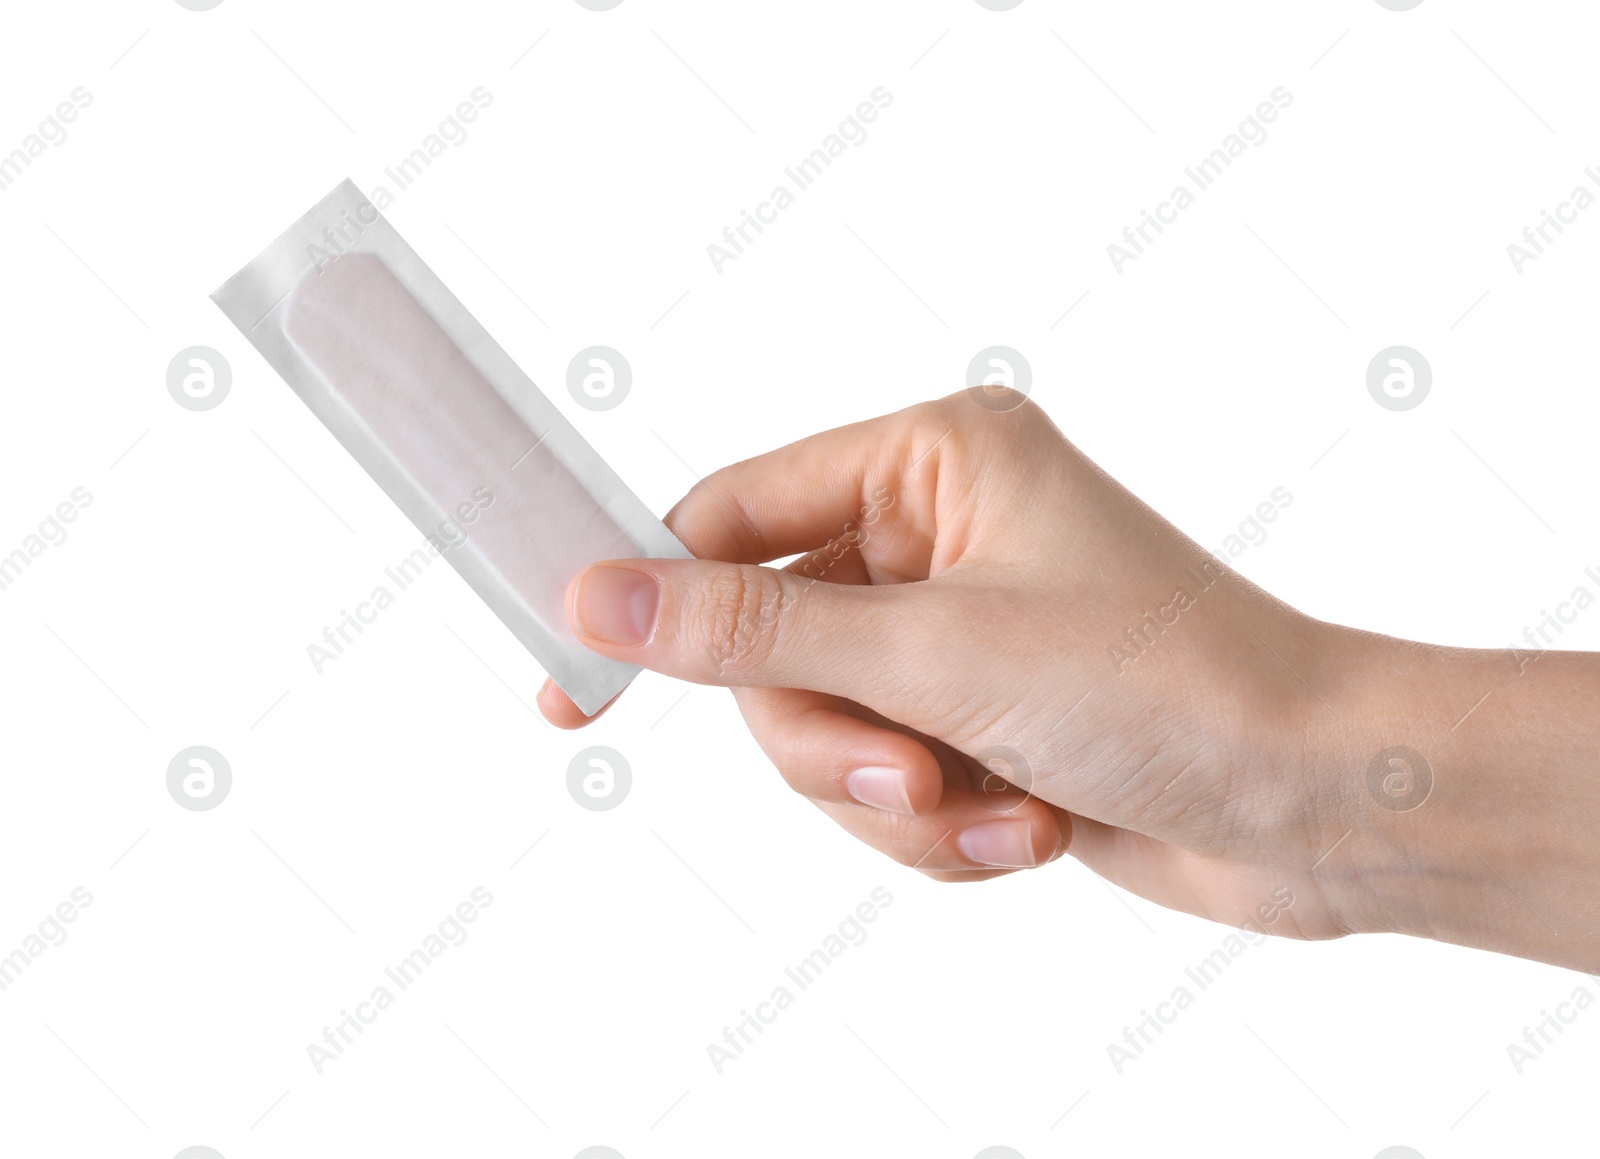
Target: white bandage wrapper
column 445, row 422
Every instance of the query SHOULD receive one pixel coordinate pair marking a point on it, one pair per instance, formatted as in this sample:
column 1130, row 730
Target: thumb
column 730, row 624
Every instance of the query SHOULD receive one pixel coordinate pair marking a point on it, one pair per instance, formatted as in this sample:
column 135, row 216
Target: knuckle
column 740, row 613
column 1011, row 416
column 939, row 415
column 934, row 430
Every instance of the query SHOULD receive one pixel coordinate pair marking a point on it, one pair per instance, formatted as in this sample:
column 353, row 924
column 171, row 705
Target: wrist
column 1456, row 796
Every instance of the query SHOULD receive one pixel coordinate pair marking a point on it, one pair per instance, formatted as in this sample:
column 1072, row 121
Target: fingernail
column 1003, row 843
column 881, row 787
column 616, row 605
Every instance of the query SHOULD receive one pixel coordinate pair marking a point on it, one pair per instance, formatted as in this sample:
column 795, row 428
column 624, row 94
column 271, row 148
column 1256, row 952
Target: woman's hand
column 991, row 654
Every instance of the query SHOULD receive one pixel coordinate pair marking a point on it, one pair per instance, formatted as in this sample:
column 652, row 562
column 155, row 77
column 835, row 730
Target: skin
column 993, row 628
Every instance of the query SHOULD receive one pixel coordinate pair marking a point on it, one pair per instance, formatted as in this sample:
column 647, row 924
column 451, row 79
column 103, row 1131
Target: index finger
column 806, row 495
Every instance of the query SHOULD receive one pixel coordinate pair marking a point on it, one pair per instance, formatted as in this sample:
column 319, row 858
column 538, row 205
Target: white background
column 368, row 801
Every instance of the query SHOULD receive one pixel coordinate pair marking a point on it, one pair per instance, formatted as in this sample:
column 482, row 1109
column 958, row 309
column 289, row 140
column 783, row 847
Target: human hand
column 993, row 654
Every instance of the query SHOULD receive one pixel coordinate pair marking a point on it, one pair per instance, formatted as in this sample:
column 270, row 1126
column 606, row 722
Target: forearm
column 1502, row 850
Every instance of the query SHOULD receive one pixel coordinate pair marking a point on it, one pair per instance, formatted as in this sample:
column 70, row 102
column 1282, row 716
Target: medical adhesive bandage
column 442, row 419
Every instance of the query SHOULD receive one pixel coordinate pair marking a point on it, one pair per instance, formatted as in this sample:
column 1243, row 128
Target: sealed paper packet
column 445, row 422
